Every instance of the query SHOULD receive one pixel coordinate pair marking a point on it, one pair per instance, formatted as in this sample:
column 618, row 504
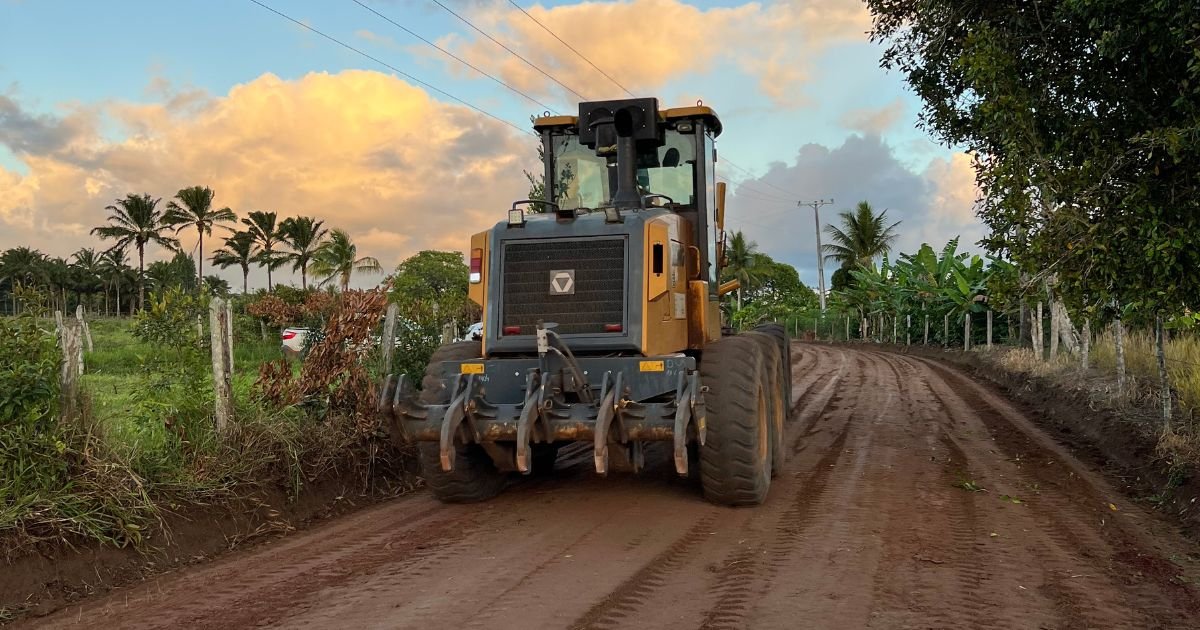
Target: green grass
column 121, row 368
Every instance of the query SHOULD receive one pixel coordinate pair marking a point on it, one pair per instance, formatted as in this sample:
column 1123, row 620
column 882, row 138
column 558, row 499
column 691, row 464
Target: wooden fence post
column 895, row 325
column 989, row 329
column 87, row 331
column 946, row 331
column 926, row 329
column 908, row 329
column 72, row 367
column 1039, row 342
column 862, row 331
column 847, row 328
column 388, row 343
column 966, row 331
column 218, row 328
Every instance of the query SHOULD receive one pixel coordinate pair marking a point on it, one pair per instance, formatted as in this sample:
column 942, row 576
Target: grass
column 1180, row 444
column 1183, row 362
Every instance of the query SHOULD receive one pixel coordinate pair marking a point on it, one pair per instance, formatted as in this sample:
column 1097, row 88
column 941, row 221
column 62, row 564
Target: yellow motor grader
column 602, row 323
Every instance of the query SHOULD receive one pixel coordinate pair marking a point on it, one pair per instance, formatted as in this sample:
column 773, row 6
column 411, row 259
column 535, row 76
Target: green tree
column 863, row 237
column 178, row 273
column 739, row 263
column 216, row 285
column 238, row 250
column 430, row 282
column 136, row 220
column 304, row 235
column 193, row 207
column 24, row 265
column 115, row 270
column 86, row 272
column 338, row 258
column 263, row 227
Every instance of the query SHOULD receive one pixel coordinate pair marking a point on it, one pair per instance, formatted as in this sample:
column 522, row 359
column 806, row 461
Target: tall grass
column 1183, row 362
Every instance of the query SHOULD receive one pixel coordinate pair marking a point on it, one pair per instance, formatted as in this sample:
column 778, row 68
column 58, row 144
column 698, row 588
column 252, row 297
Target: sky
column 387, row 141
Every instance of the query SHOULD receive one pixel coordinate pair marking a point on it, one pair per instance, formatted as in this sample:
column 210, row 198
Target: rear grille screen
column 598, row 296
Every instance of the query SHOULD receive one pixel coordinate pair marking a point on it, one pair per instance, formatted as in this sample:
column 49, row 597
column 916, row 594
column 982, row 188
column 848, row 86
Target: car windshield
column 583, row 178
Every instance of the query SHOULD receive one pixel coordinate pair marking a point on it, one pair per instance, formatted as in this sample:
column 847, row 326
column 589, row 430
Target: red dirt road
column 870, row 526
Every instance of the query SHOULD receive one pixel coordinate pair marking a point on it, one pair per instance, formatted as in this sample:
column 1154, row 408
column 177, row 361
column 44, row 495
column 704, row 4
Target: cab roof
column 674, row 113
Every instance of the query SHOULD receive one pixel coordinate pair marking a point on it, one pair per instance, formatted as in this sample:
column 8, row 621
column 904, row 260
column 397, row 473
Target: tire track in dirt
column 864, row 528
column 617, row 607
column 1077, row 556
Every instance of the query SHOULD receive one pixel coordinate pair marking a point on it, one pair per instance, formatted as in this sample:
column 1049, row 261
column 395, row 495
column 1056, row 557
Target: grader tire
column 772, row 366
column 785, row 348
column 474, row 478
column 735, row 460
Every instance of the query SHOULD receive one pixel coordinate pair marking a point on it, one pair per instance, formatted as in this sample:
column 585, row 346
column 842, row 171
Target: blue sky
column 57, row 57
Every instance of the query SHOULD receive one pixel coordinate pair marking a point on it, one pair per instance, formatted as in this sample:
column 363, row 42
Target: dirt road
column 913, row 497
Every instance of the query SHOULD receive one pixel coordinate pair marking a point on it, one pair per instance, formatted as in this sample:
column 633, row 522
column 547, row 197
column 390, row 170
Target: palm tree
column 86, row 267
column 338, row 258
column 137, row 220
column 263, row 227
column 740, row 261
column 114, row 268
column 238, row 250
column 25, row 266
column 863, row 236
column 195, row 209
column 305, row 236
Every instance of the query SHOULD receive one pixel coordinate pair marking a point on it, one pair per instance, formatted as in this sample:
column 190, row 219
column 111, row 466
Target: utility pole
column 816, row 206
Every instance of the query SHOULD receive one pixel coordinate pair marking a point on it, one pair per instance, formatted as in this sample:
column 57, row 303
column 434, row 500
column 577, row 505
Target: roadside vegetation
column 143, row 448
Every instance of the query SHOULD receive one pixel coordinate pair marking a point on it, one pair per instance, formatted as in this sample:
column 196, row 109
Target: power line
column 513, row 52
column 747, row 172
column 572, row 48
column 455, row 57
column 389, row 66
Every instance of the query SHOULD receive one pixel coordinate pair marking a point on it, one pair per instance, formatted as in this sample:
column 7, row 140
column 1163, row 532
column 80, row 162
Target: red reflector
column 612, row 328
column 289, row 334
column 511, row 330
column 476, row 260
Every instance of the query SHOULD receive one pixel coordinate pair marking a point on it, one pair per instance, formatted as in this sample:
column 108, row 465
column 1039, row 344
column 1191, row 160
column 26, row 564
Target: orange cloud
column 364, row 151
column 644, row 43
column 874, row 121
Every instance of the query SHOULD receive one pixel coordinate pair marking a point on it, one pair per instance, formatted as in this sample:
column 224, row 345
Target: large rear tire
column 475, row 477
column 772, row 366
column 785, row 348
column 735, row 461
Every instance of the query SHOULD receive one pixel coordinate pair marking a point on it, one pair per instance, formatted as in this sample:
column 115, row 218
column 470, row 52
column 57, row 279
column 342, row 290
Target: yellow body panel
column 664, row 301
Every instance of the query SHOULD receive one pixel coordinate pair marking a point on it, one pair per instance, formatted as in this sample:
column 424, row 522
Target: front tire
column 735, row 461
column 475, row 477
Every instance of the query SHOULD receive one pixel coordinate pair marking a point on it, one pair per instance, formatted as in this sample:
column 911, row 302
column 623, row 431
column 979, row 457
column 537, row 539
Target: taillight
column 476, row 265
column 290, row 334
column 612, row 328
column 512, row 330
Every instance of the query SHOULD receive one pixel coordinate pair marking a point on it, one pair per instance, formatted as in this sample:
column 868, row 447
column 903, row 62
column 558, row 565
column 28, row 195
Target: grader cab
column 602, row 323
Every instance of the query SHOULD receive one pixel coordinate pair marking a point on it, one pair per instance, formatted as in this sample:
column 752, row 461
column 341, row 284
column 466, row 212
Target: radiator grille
column 599, row 297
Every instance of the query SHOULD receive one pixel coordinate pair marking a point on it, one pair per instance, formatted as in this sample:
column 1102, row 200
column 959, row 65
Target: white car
column 474, row 332
column 293, row 340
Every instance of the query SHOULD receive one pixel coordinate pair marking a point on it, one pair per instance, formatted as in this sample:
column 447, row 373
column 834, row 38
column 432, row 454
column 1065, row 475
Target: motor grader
column 601, row 323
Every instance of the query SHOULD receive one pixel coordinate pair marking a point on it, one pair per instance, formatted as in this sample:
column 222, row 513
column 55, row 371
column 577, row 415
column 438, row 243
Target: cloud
column 364, row 151
column 873, row 120
column 933, row 204
column 23, row 132
column 645, row 43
